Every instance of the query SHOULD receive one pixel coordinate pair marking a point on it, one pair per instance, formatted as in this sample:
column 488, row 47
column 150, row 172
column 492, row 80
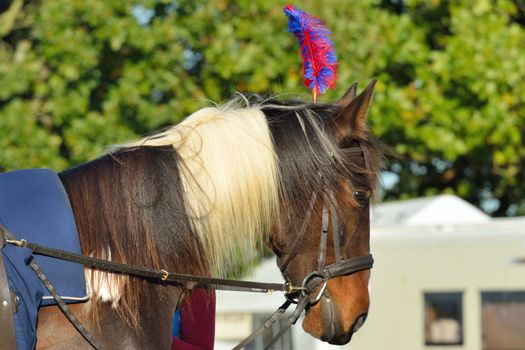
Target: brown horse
column 206, row 193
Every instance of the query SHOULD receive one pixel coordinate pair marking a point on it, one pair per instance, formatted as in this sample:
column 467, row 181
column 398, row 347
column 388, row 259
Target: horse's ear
column 352, row 119
column 348, row 96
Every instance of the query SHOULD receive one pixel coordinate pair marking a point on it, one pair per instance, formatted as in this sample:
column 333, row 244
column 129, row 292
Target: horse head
column 335, row 199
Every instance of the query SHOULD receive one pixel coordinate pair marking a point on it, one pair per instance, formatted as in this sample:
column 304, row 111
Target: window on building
column 444, row 318
column 503, row 320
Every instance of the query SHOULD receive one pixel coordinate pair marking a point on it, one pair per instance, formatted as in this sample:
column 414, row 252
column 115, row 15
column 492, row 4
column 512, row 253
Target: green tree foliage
column 454, row 109
column 76, row 76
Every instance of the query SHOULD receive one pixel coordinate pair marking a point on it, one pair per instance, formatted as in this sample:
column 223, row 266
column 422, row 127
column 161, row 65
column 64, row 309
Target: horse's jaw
column 340, row 313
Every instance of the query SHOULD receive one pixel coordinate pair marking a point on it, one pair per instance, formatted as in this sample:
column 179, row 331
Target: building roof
column 500, row 230
column 442, row 209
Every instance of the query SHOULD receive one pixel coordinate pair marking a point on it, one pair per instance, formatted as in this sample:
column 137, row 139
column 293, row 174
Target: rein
column 304, row 292
column 346, row 267
column 301, row 295
column 309, row 284
column 154, row 274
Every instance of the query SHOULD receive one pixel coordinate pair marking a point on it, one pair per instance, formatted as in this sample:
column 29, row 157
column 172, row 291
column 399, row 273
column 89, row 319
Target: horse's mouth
column 333, row 330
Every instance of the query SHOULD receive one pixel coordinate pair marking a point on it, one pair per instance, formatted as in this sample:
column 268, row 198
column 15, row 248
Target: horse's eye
column 362, row 197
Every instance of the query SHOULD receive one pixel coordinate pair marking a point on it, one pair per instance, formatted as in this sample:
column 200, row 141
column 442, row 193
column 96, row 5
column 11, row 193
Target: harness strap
column 61, row 304
column 349, row 266
column 163, row 275
column 335, row 228
column 301, row 305
column 64, row 308
column 263, row 327
column 300, row 236
column 345, row 267
column 323, row 239
column 7, row 328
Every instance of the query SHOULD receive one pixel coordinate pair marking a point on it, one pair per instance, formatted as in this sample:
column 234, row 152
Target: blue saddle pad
column 34, row 206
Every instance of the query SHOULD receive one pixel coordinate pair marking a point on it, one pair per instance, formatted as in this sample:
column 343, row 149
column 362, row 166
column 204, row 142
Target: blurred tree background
column 76, row 76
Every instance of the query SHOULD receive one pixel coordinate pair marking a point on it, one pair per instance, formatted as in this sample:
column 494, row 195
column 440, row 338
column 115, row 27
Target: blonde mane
column 230, row 179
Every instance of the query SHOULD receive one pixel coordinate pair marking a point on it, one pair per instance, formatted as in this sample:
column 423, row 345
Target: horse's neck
column 130, row 209
column 126, row 211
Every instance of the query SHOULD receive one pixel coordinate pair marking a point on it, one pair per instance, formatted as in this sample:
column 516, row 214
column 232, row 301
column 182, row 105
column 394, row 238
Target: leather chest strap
column 7, row 328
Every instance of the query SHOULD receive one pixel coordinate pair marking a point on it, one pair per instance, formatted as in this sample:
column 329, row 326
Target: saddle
column 34, row 206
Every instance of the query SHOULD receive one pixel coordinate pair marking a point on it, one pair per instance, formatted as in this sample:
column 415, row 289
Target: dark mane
column 310, row 158
column 130, row 203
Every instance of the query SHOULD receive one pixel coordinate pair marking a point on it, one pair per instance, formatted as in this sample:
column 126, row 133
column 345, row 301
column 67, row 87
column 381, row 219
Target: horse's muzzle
column 332, row 330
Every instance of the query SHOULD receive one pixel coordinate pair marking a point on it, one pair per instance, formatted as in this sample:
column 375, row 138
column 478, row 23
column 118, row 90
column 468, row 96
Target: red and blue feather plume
column 317, row 50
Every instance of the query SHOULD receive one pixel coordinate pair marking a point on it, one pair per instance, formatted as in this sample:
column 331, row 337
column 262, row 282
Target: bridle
column 301, row 295
column 341, row 266
column 318, row 279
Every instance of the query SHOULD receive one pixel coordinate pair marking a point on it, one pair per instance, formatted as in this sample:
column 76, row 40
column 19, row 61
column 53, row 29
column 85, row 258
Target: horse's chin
column 323, row 322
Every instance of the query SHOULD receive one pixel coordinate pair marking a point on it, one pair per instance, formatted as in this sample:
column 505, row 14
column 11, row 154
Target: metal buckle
column 290, row 288
column 19, row 243
column 292, row 292
column 165, row 274
column 15, row 301
column 321, row 291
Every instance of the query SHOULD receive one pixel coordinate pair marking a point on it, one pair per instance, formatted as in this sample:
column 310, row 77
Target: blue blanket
column 34, row 206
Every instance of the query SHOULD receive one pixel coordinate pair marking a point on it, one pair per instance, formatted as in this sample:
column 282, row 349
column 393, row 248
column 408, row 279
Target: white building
column 445, row 277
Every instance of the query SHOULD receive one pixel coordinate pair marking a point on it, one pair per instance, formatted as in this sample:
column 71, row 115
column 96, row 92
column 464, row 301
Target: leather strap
column 163, row 275
column 64, row 308
column 264, row 326
column 300, row 236
column 349, row 266
column 7, row 328
column 342, row 268
column 301, row 306
column 336, row 232
column 323, row 239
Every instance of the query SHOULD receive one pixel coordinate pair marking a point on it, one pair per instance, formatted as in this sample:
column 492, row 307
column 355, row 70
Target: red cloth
column 197, row 322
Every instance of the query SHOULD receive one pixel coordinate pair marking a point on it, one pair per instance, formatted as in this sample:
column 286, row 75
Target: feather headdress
column 317, row 50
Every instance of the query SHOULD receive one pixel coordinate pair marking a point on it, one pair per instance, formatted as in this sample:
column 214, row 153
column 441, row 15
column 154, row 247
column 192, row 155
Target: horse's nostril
column 359, row 323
